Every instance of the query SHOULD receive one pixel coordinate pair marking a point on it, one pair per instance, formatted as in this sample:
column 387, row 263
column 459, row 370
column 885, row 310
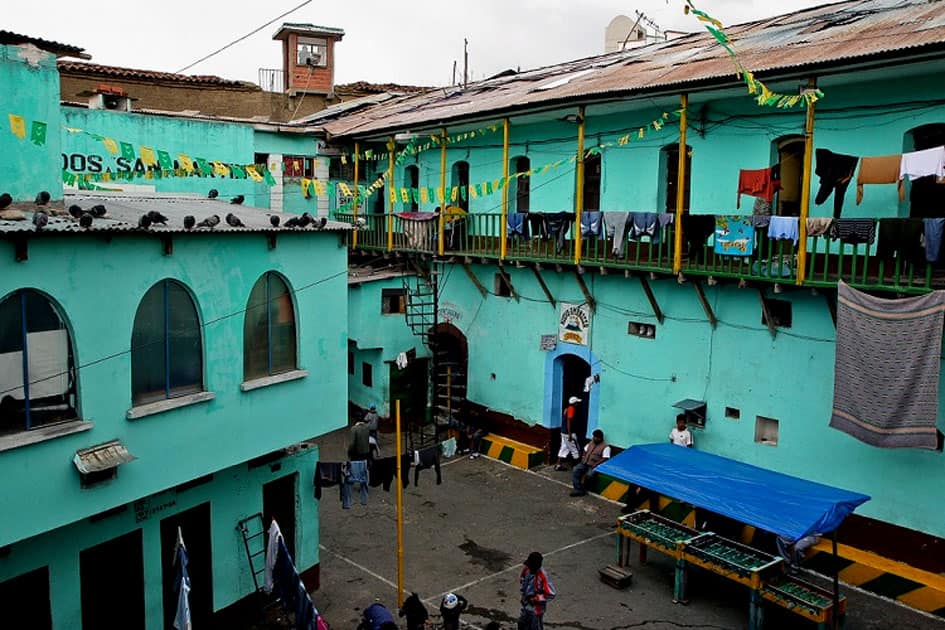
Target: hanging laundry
column 327, row 474
column 818, row 226
column 835, row 171
column 761, row 183
column 853, row 231
column 761, row 220
column 762, row 208
column 537, row 224
column 448, row 448
column 879, row 170
column 923, row 164
column 902, row 239
column 734, row 235
column 272, row 549
column 933, row 239
column 517, row 226
column 897, row 343
column 354, row 473
column 643, row 224
column 784, row 228
column 418, row 228
column 427, row 458
column 384, row 472
column 616, row 225
column 291, row 590
column 697, row 228
column 591, row 224
column 401, row 360
column 558, row 225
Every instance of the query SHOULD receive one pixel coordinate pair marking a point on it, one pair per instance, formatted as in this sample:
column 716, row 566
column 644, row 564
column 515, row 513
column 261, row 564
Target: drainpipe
column 579, row 189
column 680, row 184
column 805, row 189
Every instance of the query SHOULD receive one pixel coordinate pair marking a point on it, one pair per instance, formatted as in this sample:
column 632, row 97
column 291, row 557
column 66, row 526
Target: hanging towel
column 784, row 228
column 761, row 183
column 697, row 228
column 327, row 474
column 897, row 343
column 734, row 235
column 818, row 226
column 419, row 228
column 835, row 171
column 853, row 231
column 879, row 170
column 902, row 239
column 933, row 239
column 427, row 458
column 517, row 226
column 591, row 224
column 923, row 163
column 616, row 225
column 272, row 553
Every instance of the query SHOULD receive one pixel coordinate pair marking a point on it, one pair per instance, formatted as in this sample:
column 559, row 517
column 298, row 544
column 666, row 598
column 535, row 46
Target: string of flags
column 426, row 195
column 432, row 141
column 763, row 96
column 37, row 129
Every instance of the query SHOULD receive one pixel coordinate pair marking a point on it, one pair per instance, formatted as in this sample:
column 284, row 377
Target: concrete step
column 518, row 454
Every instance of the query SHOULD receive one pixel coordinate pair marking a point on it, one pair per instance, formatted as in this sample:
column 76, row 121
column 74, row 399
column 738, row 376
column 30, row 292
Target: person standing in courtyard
column 537, row 590
column 569, row 444
column 596, row 452
column 451, row 608
column 371, row 419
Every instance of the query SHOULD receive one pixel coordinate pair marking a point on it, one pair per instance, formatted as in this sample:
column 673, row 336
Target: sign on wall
column 574, row 323
column 548, row 342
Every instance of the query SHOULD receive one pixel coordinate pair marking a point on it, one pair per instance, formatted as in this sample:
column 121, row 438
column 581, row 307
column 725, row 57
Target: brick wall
column 236, row 101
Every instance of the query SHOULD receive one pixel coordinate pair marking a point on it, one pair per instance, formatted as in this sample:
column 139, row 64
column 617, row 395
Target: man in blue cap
column 376, row 617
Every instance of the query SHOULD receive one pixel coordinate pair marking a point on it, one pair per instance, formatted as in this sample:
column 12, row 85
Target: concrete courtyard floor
column 471, row 533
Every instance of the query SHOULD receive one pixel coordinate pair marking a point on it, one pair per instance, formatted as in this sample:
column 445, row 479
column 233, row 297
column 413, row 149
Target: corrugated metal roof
column 830, row 35
column 123, row 210
column 134, row 74
column 101, row 457
column 56, row 48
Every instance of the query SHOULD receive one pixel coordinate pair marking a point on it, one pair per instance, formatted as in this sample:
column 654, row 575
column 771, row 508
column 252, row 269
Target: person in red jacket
column 537, row 590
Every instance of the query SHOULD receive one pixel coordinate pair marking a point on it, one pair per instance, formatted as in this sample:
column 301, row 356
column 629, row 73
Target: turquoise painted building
column 154, row 379
column 752, row 336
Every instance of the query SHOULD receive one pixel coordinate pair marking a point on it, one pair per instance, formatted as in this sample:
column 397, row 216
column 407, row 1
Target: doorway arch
column 563, row 367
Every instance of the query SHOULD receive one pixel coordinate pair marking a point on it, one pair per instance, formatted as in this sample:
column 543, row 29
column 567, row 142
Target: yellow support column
column 390, row 183
column 805, row 189
column 680, row 184
column 505, row 188
column 354, row 236
column 441, row 229
column 579, row 189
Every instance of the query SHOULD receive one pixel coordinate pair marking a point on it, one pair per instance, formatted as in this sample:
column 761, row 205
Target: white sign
column 574, row 323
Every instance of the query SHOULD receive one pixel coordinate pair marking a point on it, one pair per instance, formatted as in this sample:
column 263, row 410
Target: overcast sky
column 402, row 42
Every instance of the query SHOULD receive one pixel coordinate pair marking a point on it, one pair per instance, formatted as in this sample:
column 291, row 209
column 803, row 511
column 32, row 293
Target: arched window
column 166, row 345
column 592, row 173
column 412, row 184
column 926, row 196
column 669, row 167
column 459, row 179
column 789, row 155
column 37, row 368
column 519, row 187
column 269, row 341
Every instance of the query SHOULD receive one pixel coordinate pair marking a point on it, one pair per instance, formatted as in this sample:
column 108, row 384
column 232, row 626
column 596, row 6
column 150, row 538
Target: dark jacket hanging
column 835, row 171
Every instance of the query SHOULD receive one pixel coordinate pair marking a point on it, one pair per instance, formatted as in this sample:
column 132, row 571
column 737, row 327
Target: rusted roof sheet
column 837, row 34
column 134, row 74
column 365, row 87
column 101, row 457
column 123, row 210
column 56, row 48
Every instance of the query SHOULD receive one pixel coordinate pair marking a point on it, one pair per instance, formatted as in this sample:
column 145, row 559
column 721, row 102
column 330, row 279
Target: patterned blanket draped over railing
column 886, row 378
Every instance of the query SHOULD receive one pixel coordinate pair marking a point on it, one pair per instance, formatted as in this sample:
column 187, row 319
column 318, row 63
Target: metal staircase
column 421, row 313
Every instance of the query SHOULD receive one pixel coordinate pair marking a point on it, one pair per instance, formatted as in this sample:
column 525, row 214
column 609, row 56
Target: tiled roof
column 794, row 45
column 133, row 74
column 57, row 48
column 124, row 209
column 365, row 87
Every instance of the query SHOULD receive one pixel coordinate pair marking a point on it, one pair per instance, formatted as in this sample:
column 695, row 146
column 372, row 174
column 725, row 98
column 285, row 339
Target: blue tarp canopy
column 782, row 504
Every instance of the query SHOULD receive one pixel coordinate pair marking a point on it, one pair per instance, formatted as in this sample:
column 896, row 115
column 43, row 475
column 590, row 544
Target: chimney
column 308, row 57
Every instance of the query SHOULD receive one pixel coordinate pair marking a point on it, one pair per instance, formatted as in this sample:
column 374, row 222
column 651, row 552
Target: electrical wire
column 249, row 34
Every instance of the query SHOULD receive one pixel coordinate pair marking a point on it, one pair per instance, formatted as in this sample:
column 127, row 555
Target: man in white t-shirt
column 680, row 435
